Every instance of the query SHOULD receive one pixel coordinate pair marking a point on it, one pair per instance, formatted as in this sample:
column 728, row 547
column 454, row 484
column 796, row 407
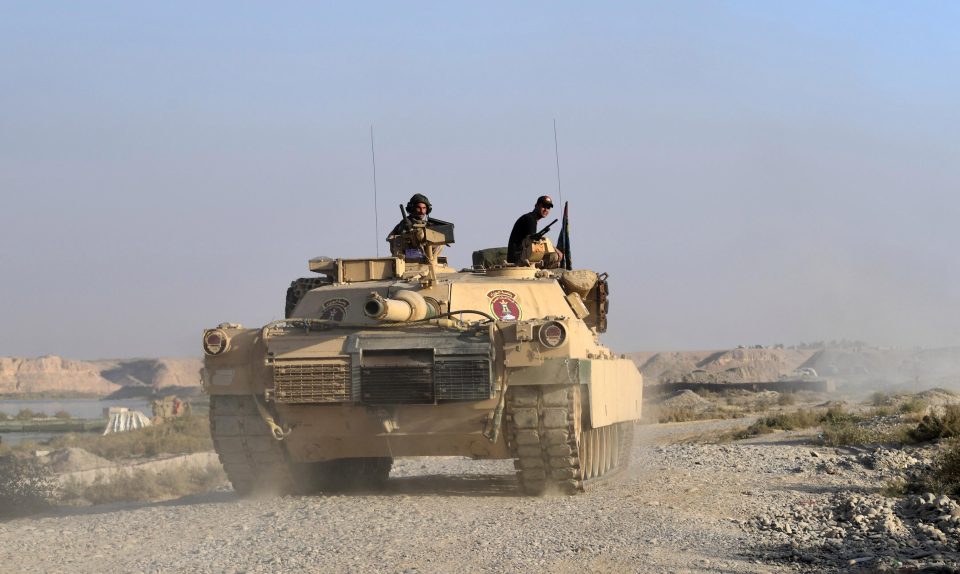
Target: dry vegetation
column 718, row 405
column 27, row 485
column 889, row 420
column 178, row 436
column 142, row 485
column 28, row 414
column 945, row 474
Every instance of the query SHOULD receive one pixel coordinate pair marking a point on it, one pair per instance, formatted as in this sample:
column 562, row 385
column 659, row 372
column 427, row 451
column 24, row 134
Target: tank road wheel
column 606, row 450
column 609, row 453
column 553, row 451
column 253, row 460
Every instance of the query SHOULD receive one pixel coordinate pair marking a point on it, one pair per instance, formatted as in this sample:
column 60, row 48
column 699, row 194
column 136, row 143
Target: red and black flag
column 563, row 242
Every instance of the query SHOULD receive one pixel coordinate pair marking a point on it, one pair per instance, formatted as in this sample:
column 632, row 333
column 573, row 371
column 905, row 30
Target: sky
column 746, row 172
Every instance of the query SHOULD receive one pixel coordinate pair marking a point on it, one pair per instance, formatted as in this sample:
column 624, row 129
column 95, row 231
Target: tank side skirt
column 613, row 387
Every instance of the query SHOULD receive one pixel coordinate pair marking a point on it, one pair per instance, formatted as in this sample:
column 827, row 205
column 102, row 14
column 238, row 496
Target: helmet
column 418, row 198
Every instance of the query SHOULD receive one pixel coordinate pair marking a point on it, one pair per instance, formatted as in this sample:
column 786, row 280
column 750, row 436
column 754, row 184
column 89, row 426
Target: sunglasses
column 546, row 206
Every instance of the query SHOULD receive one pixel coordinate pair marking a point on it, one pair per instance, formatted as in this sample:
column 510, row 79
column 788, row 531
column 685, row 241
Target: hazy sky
column 746, row 172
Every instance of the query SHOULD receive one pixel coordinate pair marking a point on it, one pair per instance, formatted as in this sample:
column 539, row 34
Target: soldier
column 526, row 226
column 418, row 211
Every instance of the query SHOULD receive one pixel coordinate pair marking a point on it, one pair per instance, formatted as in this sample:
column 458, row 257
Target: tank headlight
column 552, row 334
column 215, row 342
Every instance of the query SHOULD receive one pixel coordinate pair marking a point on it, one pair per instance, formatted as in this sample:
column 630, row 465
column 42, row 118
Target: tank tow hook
column 491, row 430
column 388, row 420
column 275, row 430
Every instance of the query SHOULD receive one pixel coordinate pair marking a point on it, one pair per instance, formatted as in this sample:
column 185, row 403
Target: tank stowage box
column 387, row 357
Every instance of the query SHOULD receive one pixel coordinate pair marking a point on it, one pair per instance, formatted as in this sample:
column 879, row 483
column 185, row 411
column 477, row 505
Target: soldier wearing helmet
column 418, row 211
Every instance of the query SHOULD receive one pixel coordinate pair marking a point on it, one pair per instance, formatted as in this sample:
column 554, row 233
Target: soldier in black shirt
column 526, row 226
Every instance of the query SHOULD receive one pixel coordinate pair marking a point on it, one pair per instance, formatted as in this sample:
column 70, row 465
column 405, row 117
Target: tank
column 404, row 356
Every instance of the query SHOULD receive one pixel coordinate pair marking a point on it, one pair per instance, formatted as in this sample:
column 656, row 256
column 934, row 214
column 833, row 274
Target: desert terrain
column 700, row 495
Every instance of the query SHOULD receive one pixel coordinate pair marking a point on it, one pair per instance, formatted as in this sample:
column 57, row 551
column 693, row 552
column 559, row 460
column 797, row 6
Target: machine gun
column 407, row 224
column 538, row 250
column 539, row 235
column 420, row 242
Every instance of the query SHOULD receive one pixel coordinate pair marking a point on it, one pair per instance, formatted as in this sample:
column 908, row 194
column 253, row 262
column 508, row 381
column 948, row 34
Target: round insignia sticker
column 504, row 305
column 334, row 309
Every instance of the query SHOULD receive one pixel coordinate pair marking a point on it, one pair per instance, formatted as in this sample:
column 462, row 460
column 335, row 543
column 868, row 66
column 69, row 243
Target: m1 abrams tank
column 403, row 356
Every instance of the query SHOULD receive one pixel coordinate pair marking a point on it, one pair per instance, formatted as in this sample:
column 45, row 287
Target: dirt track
column 446, row 515
column 678, row 508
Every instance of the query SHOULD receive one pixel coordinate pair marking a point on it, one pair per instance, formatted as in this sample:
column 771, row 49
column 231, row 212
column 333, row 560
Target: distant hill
column 116, row 378
column 742, row 365
column 864, row 366
column 858, row 365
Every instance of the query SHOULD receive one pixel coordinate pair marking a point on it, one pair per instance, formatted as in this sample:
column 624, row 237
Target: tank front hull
column 321, row 433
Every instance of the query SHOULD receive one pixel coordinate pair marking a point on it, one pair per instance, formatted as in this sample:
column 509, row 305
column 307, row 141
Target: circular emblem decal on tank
column 334, row 309
column 503, row 304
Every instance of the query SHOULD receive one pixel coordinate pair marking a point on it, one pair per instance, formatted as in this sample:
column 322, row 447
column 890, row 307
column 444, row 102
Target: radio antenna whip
column 556, row 152
column 376, row 219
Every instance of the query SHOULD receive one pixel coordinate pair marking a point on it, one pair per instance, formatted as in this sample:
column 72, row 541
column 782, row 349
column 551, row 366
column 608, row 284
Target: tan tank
column 401, row 357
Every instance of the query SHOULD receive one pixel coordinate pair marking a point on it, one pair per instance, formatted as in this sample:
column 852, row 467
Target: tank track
column 298, row 288
column 552, row 451
column 253, row 460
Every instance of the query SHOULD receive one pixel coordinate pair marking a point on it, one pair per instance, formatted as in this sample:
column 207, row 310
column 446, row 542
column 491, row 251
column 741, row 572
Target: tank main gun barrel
column 405, row 305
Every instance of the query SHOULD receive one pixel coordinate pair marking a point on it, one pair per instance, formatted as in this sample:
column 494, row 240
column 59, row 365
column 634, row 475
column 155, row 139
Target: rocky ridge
column 851, row 366
column 57, row 375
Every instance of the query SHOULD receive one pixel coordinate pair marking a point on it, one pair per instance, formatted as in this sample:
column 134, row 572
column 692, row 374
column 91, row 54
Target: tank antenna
column 556, row 152
column 376, row 220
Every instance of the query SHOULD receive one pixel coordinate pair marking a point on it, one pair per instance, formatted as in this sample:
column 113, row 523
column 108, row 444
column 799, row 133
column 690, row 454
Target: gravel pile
column 825, row 514
column 883, row 533
column 857, row 526
column 891, row 462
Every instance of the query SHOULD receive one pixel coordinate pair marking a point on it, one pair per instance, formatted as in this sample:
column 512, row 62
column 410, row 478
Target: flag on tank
column 563, row 242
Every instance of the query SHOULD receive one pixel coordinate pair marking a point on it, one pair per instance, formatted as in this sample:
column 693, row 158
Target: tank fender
column 240, row 368
column 614, row 386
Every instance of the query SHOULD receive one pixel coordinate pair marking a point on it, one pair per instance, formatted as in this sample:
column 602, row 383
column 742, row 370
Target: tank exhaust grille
column 464, row 380
column 383, row 377
column 419, row 377
column 305, row 381
column 396, row 385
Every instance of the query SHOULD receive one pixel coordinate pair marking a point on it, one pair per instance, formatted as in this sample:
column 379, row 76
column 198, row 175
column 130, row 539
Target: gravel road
column 677, row 508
